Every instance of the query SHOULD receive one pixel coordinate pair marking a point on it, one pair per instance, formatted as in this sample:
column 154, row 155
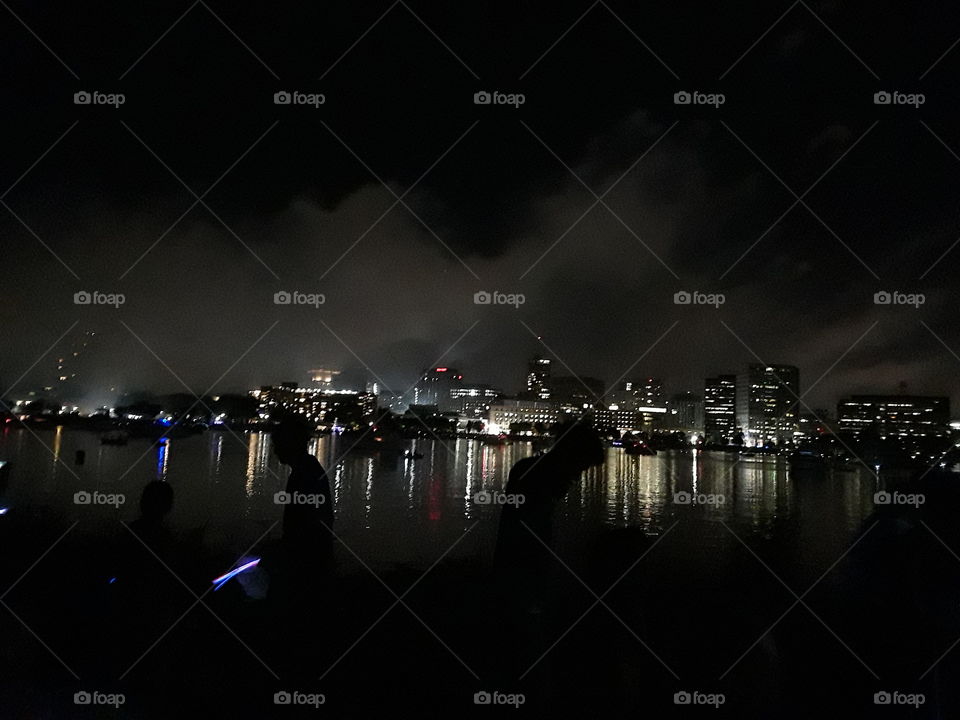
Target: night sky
column 692, row 197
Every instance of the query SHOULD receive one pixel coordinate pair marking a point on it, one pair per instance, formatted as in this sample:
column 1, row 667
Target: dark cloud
column 502, row 206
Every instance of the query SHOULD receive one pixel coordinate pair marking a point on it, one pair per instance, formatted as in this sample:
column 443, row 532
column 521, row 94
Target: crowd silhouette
column 292, row 608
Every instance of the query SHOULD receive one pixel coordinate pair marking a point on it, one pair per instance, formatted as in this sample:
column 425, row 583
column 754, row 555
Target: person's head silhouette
column 291, row 437
column 156, row 501
column 578, row 446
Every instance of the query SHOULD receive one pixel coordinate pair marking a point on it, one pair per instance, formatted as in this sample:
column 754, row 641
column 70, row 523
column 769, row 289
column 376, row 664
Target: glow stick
column 219, row 582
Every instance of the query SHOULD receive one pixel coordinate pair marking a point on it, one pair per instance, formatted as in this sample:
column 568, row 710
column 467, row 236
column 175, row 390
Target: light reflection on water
column 404, row 510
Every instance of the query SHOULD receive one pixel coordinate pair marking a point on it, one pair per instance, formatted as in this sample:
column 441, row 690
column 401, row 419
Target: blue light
column 161, row 458
column 220, row 581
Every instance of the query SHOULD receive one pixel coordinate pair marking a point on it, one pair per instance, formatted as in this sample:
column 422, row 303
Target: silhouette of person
column 308, row 512
column 301, row 566
column 137, row 582
column 524, row 565
column 156, row 501
column 537, row 484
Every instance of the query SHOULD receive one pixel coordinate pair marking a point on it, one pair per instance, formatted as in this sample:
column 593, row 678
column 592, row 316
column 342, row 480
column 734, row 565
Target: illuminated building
column 474, row 400
column 576, row 395
column 323, row 378
column 684, row 412
column 766, row 401
column 638, row 396
column 324, row 408
column 614, row 417
column 719, row 408
column 503, row 413
column 538, row 378
column 435, row 386
column 895, row 415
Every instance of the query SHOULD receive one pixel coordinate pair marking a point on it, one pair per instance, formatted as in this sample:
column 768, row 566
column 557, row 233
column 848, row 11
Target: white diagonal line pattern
column 599, row 200
column 398, row 200
column 199, row 199
column 799, row 601
column 599, row 600
column 398, row 600
column 198, row 601
column 799, row 200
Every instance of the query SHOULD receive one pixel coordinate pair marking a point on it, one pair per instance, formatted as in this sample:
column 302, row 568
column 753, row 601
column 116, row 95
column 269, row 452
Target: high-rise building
column 898, row 416
column 767, row 399
column 576, row 395
column 434, row 388
column 328, row 408
column 684, row 412
column 531, row 414
column 719, row 408
column 644, row 398
column 474, row 399
column 637, row 394
column 538, row 378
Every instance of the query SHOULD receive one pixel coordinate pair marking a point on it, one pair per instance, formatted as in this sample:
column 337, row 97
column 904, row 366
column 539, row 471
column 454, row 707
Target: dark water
column 408, row 511
column 698, row 588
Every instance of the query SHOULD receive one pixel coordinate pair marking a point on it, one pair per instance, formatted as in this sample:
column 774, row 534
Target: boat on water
column 638, row 448
column 806, row 458
column 413, row 455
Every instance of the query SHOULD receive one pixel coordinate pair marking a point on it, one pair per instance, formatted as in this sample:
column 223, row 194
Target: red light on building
column 441, row 369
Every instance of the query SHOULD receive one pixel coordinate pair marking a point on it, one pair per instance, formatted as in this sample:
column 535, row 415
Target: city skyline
column 597, row 233
column 70, row 389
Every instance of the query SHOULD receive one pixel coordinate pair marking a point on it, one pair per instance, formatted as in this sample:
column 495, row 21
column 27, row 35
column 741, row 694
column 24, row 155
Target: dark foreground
column 402, row 641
